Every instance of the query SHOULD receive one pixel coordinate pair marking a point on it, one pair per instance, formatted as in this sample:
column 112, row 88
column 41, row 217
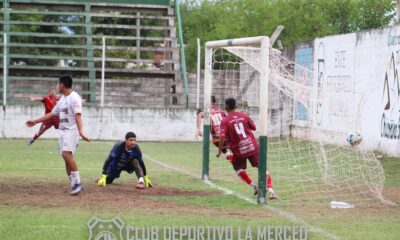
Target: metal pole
column 5, row 69
column 103, row 67
column 182, row 52
column 206, row 109
column 263, row 139
column 198, row 74
column 398, row 12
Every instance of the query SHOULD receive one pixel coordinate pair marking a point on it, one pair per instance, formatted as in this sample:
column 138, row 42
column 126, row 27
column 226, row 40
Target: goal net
column 305, row 167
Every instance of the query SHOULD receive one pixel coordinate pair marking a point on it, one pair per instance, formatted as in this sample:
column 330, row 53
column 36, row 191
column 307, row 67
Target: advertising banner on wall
column 334, row 83
column 357, row 88
column 378, row 61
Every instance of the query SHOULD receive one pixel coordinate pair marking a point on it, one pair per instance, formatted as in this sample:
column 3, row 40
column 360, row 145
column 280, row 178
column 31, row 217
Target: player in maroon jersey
column 49, row 102
column 238, row 128
column 216, row 117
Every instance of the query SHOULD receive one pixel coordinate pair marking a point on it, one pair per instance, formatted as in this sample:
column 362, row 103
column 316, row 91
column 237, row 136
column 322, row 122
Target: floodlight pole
column 398, row 12
column 198, row 74
column 5, row 69
column 103, row 74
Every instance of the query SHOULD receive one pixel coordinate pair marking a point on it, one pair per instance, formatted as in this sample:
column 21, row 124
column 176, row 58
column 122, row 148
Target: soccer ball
column 354, row 138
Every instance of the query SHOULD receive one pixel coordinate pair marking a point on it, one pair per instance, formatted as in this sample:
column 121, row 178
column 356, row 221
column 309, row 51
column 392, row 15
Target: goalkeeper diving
column 125, row 156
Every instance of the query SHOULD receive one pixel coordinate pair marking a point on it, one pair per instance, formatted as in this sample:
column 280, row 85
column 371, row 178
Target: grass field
column 35, row 201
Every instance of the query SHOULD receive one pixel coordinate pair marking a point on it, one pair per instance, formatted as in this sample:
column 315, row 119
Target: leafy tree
column 303, row 19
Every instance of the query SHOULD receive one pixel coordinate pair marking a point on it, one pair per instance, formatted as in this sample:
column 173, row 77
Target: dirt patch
column 392, row 194
column 114, row 197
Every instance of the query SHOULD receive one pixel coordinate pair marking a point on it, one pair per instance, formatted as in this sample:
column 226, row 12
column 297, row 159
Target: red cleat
column 140, row 186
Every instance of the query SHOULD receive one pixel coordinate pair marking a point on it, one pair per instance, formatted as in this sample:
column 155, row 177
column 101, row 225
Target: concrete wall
column 155, row 124
column 356, row 87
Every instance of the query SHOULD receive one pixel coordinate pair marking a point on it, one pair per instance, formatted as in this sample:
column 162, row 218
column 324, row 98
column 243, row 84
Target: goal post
column 264, row 43
column 307, row 162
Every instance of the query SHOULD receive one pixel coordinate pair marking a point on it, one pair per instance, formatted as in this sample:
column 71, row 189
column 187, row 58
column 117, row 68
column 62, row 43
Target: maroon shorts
column 54, row 121
column 241, row 163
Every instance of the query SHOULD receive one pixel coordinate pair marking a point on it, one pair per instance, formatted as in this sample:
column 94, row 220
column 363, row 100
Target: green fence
column 45, row 39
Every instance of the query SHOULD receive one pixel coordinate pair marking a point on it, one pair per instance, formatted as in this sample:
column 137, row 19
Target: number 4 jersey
column 238, row 128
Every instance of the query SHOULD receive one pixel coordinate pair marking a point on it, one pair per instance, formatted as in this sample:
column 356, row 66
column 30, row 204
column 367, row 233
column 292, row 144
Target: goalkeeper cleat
column 31, row 141
column 140, row 185
column 77, row 188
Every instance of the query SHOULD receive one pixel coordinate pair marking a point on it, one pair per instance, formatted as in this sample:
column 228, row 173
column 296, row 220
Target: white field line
column 289, row 216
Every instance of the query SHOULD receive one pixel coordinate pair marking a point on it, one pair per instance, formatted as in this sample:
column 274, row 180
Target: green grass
column 65, row 219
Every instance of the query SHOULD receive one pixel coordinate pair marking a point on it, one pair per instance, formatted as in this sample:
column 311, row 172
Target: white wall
column 108, row 123
column 355, row 76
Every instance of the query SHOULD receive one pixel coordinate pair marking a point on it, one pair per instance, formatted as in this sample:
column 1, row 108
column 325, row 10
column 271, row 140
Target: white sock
column 253, row 184
column 71, row 180
column 141, row 180
column 75, row 177
column 227, row 154
column 271, row 191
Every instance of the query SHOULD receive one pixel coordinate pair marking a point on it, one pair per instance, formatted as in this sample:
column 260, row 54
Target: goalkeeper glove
column 147, row 181
column 102, row 181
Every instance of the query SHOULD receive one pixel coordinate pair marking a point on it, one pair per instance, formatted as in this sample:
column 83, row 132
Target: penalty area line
column 289, row 216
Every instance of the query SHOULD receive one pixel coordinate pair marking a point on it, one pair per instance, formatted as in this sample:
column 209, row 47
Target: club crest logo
column 105, row 229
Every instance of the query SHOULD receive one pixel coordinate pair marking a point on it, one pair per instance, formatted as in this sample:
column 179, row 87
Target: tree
column 303, row 19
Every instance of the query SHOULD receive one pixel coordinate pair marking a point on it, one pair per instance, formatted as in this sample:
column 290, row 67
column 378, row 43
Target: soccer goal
column 281, row 98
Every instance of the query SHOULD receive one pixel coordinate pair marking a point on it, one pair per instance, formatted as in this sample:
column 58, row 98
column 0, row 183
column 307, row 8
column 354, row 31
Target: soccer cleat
column 140, row 185
column 77, row 188
column 255, row 188
column 31, row 141
column 272, row 196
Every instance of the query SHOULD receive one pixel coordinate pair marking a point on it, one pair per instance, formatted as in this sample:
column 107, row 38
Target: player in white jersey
column 69, row 109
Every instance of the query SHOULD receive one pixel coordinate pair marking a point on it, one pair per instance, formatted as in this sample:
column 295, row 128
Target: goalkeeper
column 125, row 156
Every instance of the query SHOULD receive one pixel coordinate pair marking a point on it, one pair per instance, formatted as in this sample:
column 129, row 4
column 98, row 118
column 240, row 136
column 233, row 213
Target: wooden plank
column 45, row 23
column 46, row 79
column 125, row 70
column 145, row 49
column 48, row 68
column 127, row 3
column 132, row 27
column 134, row 38
column 97, row 59
column 58, row 13
column 125, row 16
column 25, row 56
column 36, row 34
column 37, row 45
column 36, row 90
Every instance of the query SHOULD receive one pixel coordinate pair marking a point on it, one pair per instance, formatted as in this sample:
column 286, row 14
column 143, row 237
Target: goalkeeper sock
column 141, row 180
column 269, row 181
column 243, row 175
column 271, row 191
column 75, row 177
